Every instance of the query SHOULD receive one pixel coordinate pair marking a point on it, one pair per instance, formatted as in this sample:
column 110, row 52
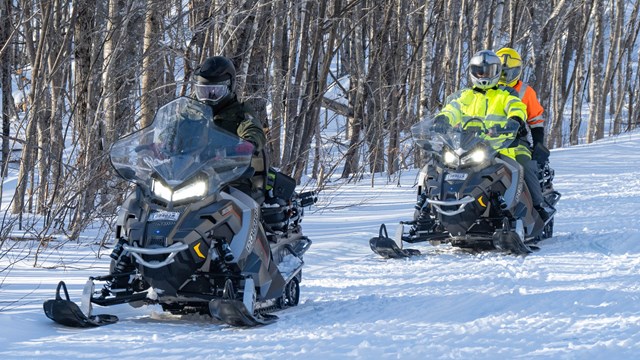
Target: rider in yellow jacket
column 486, row 99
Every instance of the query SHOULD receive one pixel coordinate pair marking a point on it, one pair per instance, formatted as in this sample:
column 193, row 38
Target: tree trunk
column 356, row 95
column 5, row 81
column 279, row 66
column 595, row 129
column 151, row 67
column 29, row 149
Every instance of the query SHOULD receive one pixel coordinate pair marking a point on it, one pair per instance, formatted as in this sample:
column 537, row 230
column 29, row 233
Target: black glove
column 540, row 154
column 495, row 130
column 522, row 130
column 537, row 134
column 441, row 124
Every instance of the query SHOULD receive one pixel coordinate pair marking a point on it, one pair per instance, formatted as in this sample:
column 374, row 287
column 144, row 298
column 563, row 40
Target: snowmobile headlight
column 476, row 157
column 195, row 189
column 450, row 158
column 161, row 190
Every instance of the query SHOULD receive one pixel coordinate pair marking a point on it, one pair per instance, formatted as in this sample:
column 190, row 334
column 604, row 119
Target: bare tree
column 595, row 129
column 29, row 150
column 357, row 93
column 6, row 52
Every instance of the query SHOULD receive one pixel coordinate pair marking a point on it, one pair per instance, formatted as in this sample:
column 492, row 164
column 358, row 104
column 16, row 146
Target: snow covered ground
column 576, row 298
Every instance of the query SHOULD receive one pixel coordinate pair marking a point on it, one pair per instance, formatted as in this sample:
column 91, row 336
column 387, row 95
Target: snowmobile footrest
column 68, row 313
column 233, row 312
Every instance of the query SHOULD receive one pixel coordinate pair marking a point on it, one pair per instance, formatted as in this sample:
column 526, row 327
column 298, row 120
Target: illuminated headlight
column 476, row 157
column 161, row 190
column 195, row 189
column 450, row 158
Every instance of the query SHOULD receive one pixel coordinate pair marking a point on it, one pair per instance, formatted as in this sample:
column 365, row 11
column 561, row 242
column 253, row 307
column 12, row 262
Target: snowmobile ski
column 68, row 313
column 388, row 248
column 235, row 313
column 509, row 240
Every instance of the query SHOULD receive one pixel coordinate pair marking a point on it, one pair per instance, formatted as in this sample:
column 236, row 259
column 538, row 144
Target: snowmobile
column 469, row 195
column 187, row 239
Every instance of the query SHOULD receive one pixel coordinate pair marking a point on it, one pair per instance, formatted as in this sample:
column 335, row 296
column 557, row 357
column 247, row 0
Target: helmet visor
column 213, row 92
column 484, row 71
column 510, row 74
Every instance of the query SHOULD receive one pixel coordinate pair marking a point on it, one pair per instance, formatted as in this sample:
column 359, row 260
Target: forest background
column 78, row 74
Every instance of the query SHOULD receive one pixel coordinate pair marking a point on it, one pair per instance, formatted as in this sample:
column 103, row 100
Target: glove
column 522, row 130
column 244, row 148
column 540, row 154
column 441, row 124
column 537, row 134
column 495, row 130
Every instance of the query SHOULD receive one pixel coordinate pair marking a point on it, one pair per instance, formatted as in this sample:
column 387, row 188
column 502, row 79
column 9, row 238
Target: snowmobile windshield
column 182, row 143
column 465, row 133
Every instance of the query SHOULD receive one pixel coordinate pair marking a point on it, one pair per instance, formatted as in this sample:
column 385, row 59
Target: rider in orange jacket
column 511, row 71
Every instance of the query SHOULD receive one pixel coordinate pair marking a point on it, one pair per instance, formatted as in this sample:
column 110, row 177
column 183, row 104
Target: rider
column 485, row 98
column 215, row 85
column 511, row 71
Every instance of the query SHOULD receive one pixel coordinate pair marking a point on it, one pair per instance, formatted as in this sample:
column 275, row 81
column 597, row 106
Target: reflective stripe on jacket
column 530, row 99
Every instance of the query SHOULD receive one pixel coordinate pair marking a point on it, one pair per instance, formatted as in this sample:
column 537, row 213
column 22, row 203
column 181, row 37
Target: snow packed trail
column 577, row 297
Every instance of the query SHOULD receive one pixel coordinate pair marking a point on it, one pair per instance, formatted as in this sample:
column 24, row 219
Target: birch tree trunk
column 279, row 66
column 151, row 67
column 595, row 128
column 629, row 44
column 298, row 57
column 576, row 103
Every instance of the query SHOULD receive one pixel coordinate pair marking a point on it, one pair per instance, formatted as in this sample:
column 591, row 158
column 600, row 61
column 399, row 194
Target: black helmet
column 215, row 80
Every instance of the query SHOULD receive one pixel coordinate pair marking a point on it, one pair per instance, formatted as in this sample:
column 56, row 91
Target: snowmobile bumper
column 172, row 251
column 437, row 204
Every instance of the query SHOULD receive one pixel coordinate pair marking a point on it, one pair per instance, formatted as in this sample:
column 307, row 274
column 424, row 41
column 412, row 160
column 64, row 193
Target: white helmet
column 485, row 69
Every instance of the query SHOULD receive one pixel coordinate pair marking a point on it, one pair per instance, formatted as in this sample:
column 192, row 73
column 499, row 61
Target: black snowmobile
column 187, row 239
column 470, row 196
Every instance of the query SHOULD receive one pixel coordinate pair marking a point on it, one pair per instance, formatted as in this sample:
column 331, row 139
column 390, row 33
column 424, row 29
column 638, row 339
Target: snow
column 577, row 297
